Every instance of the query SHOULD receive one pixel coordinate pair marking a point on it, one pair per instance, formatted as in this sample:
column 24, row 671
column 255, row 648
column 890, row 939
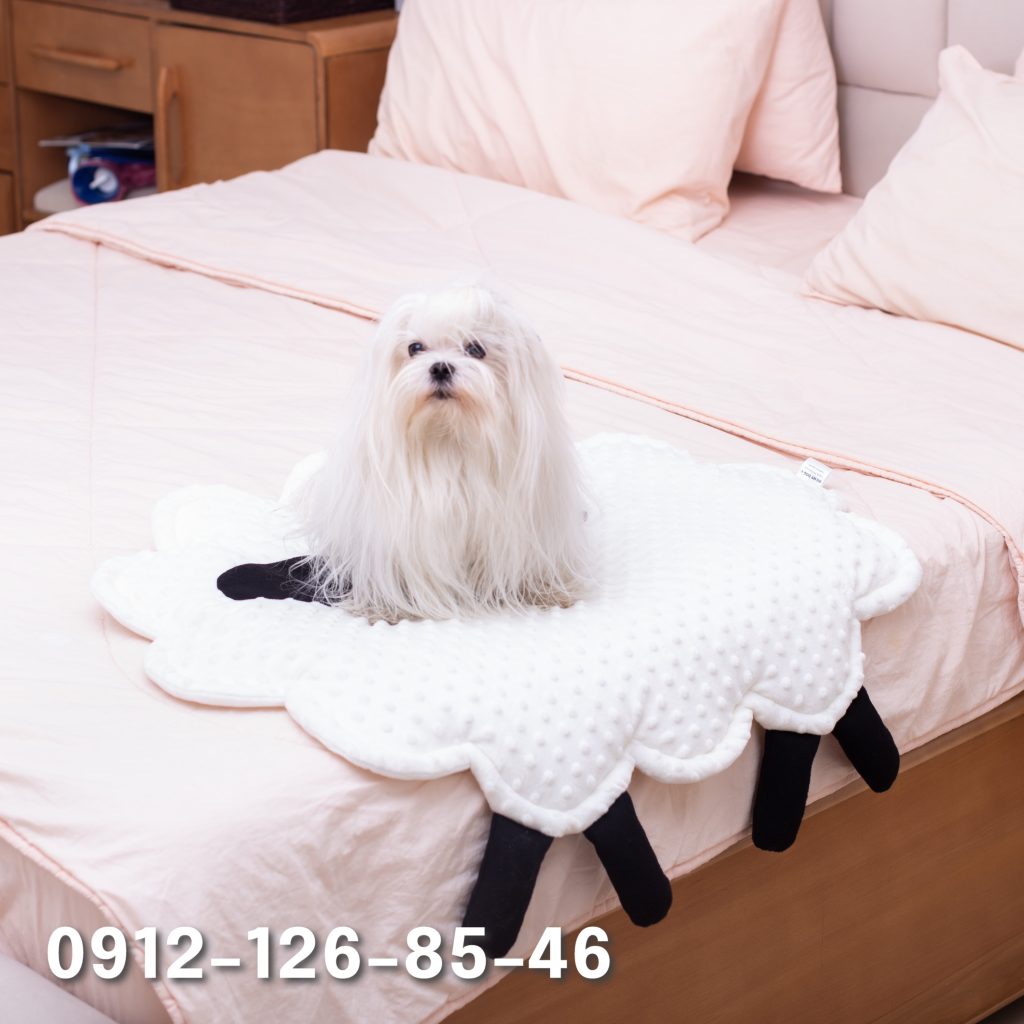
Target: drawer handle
column 78, row 60
column 168, row 142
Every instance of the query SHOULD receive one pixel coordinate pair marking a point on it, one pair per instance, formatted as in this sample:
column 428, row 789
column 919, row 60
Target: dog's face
column 456, row 362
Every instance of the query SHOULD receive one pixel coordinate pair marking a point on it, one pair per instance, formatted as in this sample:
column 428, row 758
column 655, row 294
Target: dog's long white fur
column 436, row 507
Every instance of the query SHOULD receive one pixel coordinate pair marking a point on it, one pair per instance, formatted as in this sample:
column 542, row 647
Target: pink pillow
column 793, row 131
column 941, row 236
column 636, row 109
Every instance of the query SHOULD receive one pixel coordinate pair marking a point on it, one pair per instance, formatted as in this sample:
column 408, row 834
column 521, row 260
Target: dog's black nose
column 441, row 372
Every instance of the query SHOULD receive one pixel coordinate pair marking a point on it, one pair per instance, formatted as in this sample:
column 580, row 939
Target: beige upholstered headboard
column 886, row 53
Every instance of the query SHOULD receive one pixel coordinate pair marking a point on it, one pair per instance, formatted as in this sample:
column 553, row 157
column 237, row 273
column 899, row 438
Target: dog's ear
column 538, row 398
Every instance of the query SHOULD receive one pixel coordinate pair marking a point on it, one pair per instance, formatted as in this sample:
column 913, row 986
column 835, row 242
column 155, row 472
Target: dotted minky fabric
column 723, row 594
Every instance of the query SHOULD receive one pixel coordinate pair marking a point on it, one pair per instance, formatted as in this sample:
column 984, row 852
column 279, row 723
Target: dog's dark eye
column 416, row 348
column 475, row 349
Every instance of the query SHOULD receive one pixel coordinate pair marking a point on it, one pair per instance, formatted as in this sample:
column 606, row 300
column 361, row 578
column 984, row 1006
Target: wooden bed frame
column 904, row 908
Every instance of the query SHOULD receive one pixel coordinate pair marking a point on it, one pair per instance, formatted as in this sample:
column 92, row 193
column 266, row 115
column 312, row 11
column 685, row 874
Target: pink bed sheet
column 776, row 226
column 122, row 378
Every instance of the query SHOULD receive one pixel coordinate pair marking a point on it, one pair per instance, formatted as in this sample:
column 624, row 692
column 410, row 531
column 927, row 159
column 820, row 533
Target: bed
column 157, row 345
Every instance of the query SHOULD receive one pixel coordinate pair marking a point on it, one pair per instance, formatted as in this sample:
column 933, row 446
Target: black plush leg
column 274, row 580
column 508, row 873
column 625, row 852
column 868, row 743
column 782, row 788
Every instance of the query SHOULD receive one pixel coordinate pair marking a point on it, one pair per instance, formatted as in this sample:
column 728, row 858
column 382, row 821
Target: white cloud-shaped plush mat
column 724, row 593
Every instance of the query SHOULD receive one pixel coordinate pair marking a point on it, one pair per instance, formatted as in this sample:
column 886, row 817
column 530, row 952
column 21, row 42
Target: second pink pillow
column 793, row 132
column 636, row 109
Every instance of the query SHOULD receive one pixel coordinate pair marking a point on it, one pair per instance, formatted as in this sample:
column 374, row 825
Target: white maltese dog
column 454, row 487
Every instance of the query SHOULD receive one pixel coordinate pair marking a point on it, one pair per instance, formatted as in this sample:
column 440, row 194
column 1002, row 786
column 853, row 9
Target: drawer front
column 6, row 204
column 88, row 55
column 6, row 130
column 230, row 104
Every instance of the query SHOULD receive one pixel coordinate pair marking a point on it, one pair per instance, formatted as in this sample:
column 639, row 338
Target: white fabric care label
column 816, row 472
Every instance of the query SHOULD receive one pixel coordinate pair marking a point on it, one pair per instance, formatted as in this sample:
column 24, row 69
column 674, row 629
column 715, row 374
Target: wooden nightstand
column 226, row 96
